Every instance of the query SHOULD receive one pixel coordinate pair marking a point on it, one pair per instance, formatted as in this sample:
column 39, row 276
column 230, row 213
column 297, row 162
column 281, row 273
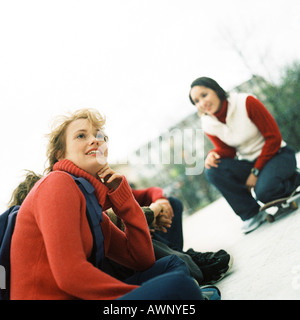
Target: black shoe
column 214, row 266
column 204, row 257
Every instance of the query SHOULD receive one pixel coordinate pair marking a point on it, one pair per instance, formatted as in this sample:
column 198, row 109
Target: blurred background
column 134, row 60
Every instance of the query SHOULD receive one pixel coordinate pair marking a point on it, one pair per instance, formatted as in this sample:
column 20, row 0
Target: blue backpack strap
column 95, row 217
column 4, row 220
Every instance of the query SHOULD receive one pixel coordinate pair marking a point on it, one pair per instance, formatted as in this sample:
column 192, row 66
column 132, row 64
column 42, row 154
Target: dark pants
column 275, row 181
column 174, row 236
column 168, row 279
column 162, row 250
column 164, row 244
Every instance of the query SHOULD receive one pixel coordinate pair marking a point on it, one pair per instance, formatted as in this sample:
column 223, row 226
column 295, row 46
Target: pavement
column 266, row 261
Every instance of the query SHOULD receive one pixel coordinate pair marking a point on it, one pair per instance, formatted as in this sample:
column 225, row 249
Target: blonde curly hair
column 57, row 140
column 20, row 193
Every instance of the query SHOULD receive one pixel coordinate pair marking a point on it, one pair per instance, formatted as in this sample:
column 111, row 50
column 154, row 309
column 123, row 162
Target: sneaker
column 205, row 256
column 210, row 293
column 217, row 270
column 214, row 266
column 254, row 222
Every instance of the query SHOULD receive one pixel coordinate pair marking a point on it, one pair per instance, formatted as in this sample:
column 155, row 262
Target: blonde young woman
column 52, row 240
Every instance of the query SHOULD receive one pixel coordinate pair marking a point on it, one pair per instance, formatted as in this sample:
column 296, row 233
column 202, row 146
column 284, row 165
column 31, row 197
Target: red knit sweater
column 147, row 196
column 52, row 240
column 265, row 123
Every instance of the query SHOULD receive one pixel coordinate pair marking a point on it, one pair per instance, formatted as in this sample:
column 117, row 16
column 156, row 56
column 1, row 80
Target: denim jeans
column 275, row 181
column 168, row 279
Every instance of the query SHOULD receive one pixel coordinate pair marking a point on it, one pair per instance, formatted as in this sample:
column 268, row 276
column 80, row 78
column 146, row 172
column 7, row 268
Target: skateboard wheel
column 270, row 218
column 294, row 205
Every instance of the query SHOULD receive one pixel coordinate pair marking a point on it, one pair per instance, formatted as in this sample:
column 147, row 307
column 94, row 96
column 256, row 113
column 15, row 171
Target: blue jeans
column 275, row 181
column 168, row 279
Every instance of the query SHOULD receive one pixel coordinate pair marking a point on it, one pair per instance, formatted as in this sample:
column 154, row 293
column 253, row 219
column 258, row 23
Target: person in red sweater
column 249, row 152
column 169, row 209
column 206, row 268
column 52, row 240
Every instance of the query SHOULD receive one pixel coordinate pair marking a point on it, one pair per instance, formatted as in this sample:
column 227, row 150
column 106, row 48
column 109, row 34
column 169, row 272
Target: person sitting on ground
column 52, row 237
column 207, row 268
column 214, row 265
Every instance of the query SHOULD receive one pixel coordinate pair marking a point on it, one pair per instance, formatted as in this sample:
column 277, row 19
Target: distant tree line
column 283, row 100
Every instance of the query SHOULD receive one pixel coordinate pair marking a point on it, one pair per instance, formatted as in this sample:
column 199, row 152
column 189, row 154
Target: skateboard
column 284, row 206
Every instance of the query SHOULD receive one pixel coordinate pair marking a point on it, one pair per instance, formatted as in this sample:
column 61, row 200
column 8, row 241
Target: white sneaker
column 254, row 222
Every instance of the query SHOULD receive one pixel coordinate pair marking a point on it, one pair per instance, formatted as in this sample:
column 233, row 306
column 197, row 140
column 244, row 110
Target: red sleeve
column 59, row 220
column 221, row 148
column 133, row 247
column 145, row 197
column 268, row 127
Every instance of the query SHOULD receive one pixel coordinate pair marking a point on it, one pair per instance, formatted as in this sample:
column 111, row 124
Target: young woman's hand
column 166, row 207
column 212, row 160
column 109, row 177
column 161, row 221
column 251, row 181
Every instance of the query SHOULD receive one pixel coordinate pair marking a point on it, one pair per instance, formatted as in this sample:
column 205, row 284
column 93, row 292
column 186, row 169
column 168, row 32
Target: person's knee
column 176, row 204
column 174, row 263
column 264, row 194
column 182, row 286
column 222, row 173
column 195, row 271
column 213, row 175
column 178, row 280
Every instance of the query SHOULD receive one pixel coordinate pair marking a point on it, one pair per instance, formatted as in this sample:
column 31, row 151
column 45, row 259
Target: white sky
column 133, row 60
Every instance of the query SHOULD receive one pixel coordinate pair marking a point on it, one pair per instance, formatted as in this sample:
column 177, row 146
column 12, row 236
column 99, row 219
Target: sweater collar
column 222, row 113
column 100, row 189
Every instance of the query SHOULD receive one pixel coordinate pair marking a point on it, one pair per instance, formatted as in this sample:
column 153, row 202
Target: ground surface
column 266, row 261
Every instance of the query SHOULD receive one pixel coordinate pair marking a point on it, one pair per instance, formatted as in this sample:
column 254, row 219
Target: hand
column 212, row 160
column 161, row 221
column 167, row 209
column 109, row 177
column 251, row 181
column 156, row 208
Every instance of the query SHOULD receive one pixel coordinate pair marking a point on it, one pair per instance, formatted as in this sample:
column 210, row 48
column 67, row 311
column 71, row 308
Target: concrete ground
column 266, row 262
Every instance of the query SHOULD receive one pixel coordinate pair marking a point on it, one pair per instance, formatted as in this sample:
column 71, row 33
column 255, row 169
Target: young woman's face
column 205, row 99
column 86, row 146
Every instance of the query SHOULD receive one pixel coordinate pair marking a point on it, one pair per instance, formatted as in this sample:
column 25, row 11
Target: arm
column 133, row 247
column 161, row 220
column 154, row 195
column 148, row 195
column 266, row 124
column 268, row 127
column 154, row 217
column 221, row 150
column 60, row 214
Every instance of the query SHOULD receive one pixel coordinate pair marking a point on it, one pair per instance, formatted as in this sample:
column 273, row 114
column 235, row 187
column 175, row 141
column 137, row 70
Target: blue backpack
column 7, row 225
